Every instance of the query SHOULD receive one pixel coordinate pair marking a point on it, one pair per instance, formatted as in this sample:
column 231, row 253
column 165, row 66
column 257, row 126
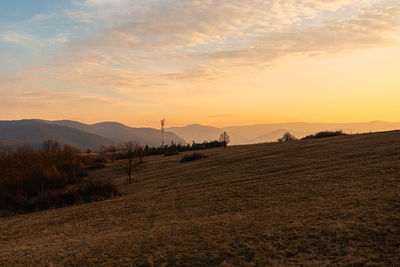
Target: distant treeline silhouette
column 132, row 153
column 288, row 137
column 167, row 150
column 182, row 148
column 324, row 134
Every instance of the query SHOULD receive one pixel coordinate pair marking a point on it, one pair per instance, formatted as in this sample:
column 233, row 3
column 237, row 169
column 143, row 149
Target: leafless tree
column 130, row 151
column 224, row 138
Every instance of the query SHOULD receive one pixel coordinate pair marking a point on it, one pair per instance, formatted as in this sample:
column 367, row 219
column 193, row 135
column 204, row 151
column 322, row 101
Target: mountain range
column 93, row 136
column 251, row 134
column 77, row 134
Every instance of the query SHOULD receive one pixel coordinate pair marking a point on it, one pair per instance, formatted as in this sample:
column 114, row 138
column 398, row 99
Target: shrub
column 287, row 137
column 171, row 153
column 86, row 192
column 191, row 157
column 95, row 166
column 94, row 162
column 324, row 134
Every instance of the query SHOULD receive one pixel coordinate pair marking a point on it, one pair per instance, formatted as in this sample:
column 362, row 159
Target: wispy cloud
column 375, row 28
column 19, row 38
column 197, row 36
column 56, row 96
column 176, row 24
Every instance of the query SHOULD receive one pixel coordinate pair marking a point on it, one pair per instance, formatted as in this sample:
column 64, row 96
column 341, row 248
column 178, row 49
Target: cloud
column 198, row 74
column 19, row 38
column 375, row 28
column 135, row 49
column 198, row 37
column 106, row 2
column 54, row 97
column 176, row 24
column 220, row 115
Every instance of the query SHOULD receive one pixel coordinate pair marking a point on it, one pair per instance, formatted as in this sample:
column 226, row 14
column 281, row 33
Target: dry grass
column 332, row 201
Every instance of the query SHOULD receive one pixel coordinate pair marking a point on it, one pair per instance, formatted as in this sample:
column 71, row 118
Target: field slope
column 333, row 201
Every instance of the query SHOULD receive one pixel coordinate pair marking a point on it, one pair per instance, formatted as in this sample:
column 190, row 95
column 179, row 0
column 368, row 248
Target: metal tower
column 162, row 132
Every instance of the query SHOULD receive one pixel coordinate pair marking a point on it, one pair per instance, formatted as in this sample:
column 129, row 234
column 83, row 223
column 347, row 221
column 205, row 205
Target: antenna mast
column 162, row 132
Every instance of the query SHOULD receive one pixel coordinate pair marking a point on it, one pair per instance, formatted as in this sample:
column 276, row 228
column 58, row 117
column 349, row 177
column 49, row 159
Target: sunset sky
column 220, row 63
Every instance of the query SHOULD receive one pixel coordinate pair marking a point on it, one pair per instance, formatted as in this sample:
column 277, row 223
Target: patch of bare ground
column 333, row 201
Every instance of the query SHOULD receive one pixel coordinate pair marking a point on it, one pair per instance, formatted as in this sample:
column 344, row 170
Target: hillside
column 332, row 201
column 260, row 133
column 13, row 133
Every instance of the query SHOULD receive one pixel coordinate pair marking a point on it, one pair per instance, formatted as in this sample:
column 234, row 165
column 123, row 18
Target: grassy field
column 333, row 201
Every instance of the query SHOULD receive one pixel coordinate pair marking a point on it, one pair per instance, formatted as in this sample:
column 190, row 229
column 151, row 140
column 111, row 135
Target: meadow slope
column 333, row 201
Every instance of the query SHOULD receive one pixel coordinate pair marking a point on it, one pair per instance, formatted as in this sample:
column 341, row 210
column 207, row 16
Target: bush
column 192, row 156
column 94, row 162
column 287, row 137
column 324, row 134
column 95, row 166
column 90, row 191
column 172, row 153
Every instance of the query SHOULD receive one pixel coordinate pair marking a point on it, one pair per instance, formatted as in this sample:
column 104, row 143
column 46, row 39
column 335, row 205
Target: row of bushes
column 83, row 192
column 115, row 153
column 324, row 134
column 173, row 148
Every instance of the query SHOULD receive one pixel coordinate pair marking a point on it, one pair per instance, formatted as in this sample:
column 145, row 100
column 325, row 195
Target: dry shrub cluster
column 32, row 179
column 86, row 192
column 94, row 162
column 191, row 157
column 324, row 134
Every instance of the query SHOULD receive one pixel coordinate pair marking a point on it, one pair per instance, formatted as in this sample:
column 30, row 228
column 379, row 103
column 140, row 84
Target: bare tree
column 224, row 138
column 140, row 153
column 130, row 152
column 50, row 147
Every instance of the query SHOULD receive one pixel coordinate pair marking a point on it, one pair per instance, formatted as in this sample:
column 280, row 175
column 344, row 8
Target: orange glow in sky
column 217, row 63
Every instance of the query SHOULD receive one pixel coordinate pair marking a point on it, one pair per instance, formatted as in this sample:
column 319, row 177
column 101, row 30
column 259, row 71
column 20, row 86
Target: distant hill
column 251, row 134
column 83, row 136
column 13, row 133
column 121, row 133
column 200, row 133
column 80, row 135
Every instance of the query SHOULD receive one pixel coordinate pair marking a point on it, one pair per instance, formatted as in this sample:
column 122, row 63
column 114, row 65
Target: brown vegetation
column 191, row 157
column 287, row 137
column 321, row 202
column 33, row 179
column 324, row 134
column 131, row 152
column 224, row 138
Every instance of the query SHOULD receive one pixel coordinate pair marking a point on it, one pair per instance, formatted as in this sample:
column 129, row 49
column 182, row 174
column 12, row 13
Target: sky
column 213, row 62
